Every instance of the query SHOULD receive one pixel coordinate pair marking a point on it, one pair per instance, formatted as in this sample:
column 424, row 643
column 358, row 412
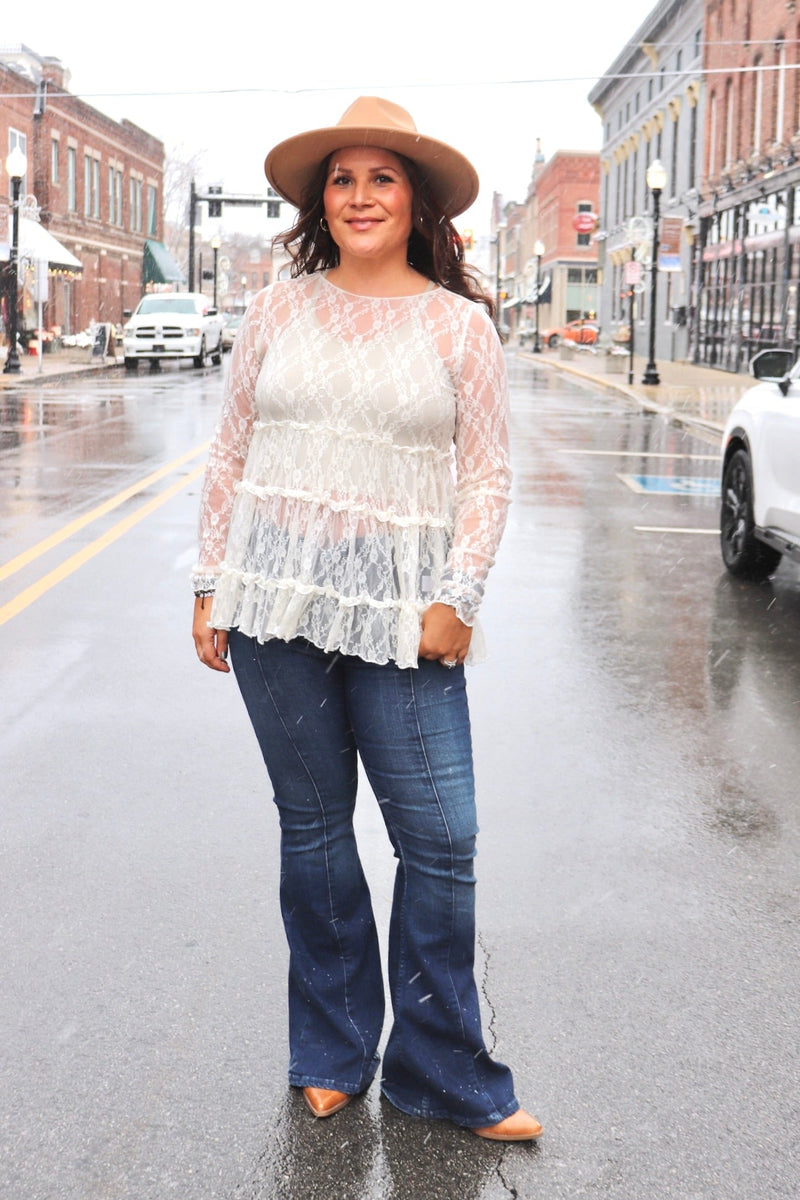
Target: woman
column 354, row 498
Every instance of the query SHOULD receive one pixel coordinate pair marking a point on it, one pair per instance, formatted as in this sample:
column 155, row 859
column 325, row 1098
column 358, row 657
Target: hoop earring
column 323, row 224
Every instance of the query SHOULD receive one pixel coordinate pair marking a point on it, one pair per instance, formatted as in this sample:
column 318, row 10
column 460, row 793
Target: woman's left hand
column 444, row 636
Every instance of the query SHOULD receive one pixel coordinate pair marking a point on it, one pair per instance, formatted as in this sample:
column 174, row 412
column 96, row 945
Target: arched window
column 730, row 146
column 712, row 134
column 758, row 102
column 780, row 90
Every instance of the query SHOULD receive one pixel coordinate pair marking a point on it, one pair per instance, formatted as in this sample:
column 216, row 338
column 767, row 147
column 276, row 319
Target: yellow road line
column 61, row 535
column 71, row 564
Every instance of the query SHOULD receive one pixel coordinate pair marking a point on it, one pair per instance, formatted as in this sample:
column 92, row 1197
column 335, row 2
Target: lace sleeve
column 230, row 443
column 483, row 473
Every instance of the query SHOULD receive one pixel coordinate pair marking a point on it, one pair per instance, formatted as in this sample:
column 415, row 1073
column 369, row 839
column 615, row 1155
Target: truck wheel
column 216, row 356
column 131, row 364
column 200, row 359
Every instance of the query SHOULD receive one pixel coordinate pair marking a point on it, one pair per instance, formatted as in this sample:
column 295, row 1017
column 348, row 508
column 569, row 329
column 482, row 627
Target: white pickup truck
column 173, row 325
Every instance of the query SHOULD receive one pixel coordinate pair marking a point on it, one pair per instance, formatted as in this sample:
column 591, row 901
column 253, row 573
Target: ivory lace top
column 359, row 471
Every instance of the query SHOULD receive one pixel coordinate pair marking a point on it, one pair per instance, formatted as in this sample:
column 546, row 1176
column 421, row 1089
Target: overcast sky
column 232, row 79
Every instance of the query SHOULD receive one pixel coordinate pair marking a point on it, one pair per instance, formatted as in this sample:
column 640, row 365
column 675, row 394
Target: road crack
column 490, row 1035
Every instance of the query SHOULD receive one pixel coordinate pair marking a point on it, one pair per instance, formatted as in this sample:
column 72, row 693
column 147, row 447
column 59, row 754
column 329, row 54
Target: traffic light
column 273, row 204
column 215, row 206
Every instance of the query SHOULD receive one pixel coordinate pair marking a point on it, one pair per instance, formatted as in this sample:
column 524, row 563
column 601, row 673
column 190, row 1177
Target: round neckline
column 431, row 287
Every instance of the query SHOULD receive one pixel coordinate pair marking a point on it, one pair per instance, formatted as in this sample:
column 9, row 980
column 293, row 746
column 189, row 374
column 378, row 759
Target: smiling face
column 368, row 204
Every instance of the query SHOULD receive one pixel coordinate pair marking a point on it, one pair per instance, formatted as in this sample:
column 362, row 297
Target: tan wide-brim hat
column 370, row 121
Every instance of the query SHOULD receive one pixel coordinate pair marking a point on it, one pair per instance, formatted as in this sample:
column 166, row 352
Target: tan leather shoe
column 519, row 1127
column 324, row 1103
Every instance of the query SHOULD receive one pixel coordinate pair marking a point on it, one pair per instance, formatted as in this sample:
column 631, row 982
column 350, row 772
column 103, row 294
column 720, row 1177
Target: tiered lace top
column 359, row 471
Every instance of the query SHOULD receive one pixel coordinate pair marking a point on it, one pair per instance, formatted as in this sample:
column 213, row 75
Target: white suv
column 760, row 514
column 173, row 325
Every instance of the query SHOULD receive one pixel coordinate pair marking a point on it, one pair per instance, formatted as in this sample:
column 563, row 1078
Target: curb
column 628, row 391
column 23, row 379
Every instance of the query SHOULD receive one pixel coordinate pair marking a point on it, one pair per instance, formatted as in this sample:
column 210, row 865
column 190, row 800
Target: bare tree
column 180, row 168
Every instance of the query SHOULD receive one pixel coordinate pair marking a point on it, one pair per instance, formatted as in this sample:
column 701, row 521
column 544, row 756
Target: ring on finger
column 449, row 663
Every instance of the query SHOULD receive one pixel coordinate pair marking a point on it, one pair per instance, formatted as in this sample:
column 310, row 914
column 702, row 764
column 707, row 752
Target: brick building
column 98, row 186
column 749, row 243
column 560, row 189
column 568, row 185
column 508, row 224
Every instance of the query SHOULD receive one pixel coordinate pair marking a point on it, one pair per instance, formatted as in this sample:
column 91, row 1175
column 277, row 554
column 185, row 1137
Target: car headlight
column 129, row 330
column 192, row 332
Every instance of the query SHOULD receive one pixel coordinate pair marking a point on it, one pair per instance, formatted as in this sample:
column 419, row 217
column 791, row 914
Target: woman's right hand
column 211, row 644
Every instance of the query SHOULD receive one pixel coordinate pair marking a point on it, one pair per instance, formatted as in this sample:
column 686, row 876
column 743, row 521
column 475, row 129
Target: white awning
column 37, row 244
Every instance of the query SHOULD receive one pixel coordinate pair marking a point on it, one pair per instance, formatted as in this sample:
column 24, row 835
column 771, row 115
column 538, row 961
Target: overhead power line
column 54, row 96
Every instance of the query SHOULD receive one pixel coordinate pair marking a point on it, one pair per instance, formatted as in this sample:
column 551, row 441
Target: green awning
column 159, row 266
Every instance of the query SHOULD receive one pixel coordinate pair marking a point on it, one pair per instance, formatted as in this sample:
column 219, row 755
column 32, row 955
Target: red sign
column 633, row 271
column 585, row 222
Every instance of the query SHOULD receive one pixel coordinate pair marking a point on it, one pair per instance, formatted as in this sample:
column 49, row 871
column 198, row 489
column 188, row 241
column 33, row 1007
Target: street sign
column 669, row 249
column 40, row 282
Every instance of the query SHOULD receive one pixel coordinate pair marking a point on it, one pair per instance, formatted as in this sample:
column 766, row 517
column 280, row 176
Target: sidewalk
column 63, row 365
column 690, row 394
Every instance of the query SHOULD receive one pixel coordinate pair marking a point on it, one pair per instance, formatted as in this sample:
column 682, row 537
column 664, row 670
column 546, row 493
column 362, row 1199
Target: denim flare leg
column 314, row 714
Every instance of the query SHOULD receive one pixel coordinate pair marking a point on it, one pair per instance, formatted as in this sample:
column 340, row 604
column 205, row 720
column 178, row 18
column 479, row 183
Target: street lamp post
column 538, row 250
column 656, row 178
column 16, row 166
column 215, row 245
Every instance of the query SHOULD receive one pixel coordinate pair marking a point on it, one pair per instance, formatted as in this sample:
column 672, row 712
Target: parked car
column 173, row 325
column 584, row 332
column 760, row 508
column 229, row 329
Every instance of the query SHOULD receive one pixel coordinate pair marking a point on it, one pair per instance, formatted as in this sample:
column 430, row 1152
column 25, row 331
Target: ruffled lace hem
column 378, row 631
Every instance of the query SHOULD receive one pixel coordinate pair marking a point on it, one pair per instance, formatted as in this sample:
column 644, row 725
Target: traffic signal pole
column 192, row 217
column 215, row 198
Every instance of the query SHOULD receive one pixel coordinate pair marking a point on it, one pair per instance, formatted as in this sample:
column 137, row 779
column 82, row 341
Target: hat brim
column 291, row 165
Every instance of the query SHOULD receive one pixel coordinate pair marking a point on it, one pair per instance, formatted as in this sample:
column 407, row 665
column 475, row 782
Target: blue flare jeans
column 314, row 714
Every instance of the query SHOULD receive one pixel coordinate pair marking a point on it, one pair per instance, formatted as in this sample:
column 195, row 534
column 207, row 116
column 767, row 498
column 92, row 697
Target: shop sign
column 585, row 222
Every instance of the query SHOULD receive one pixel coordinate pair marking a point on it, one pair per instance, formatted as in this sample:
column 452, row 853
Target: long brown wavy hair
column 435, row 248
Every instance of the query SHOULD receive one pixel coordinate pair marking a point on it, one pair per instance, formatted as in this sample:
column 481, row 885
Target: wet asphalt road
column 637, row 761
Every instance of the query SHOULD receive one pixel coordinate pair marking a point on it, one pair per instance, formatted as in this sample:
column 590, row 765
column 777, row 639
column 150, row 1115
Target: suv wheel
column 200, row 359
column 742, row 552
